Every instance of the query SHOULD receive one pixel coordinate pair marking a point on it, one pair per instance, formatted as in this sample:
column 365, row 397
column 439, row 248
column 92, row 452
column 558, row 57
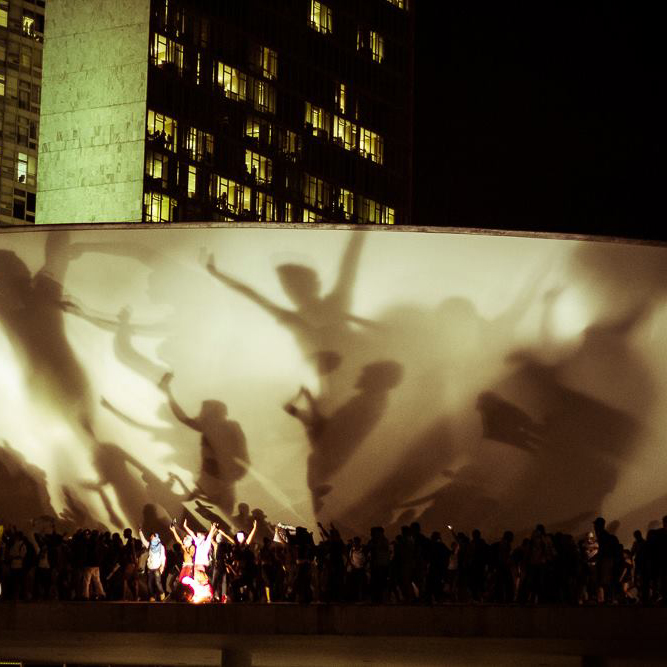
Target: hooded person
column 157, row 559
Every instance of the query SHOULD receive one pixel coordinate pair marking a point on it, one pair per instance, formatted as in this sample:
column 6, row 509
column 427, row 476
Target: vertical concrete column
column 233, row 657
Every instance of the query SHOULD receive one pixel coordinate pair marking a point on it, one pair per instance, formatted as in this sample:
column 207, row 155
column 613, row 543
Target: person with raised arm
column 188, row 549
column 202, row 545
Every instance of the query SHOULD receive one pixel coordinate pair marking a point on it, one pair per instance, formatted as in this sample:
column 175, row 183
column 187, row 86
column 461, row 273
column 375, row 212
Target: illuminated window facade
column 258, row 167
column 161, row 130
column 263, row 206
column 259, row 129
column 232, row 82
column 377, row 46
column 321, row 17
column 340, row 98
column 158, row 207
column 253, row 129
column 199, row 145
column 318, row 120
column 264, row 61
column 371, row 145
column 263, row 96
column 157, row 168
column 372, row 42
column 345, row 133
column 167, row 53
column 316, row 192
column 346, row 203
column 230, row 196
column 192, row 181
column 21, row 47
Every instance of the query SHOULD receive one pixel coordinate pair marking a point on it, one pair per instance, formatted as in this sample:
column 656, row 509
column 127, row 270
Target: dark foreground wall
column 172, row 634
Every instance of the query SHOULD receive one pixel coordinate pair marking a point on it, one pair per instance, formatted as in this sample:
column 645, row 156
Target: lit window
column 4, row 14
column 199, row 145
column 161, row 130
column 166, row 53
column 192, row 181
column 375, row 213
column 28, row 25
column 26, row 168
column 263, row 96
column 401, row 4
column 346, row 203
column 264, row 61
column 371, row 211
column 377, row 47
column 316, row 192
column 340, row 97
column 319, row 120
column 288, row 143
column 320, row 17
column 345, row 133
column 258, row 166
column 156, row 167
column 369, row 40
column 229, row 195
column 311, row 216
column 198, row 76
column 232, row 81
column 2, row 84
column 264, row 206
column 158, row 207
column 258, row 129
column 288, row 212
column 371, row 145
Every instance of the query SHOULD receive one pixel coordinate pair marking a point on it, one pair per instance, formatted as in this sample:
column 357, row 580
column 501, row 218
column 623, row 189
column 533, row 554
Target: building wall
column 292, row 91
column 21, row 42
column 93, row 111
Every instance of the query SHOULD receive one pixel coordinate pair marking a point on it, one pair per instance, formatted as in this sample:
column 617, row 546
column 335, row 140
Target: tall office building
column 21, row 43
column 160, row 111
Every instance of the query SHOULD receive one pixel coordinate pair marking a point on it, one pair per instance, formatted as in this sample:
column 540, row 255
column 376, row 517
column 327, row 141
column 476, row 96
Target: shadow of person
column 582, row 445
column 224, row 453
column 23, row 490
column 334, row 438
column 459, row 352
column 32, row 314
column 329, row 335
column 135, row 486
column 124, row 329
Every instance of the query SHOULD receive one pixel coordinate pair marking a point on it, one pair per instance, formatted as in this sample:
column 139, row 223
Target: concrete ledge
column 464, row 621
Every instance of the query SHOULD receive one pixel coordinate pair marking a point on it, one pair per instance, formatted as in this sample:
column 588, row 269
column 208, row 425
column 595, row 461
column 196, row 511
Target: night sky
column 540, row 116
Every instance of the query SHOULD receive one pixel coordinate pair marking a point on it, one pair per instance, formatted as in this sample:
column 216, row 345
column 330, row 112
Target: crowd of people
column 281, row 563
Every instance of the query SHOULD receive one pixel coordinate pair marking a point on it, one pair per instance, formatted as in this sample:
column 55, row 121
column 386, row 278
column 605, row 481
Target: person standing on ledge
column 157, row 558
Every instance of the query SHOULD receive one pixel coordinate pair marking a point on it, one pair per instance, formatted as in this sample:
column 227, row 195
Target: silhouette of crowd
column 262, row 562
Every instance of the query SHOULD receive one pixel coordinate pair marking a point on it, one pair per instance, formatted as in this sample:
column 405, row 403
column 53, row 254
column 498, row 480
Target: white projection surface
column 361, row 377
